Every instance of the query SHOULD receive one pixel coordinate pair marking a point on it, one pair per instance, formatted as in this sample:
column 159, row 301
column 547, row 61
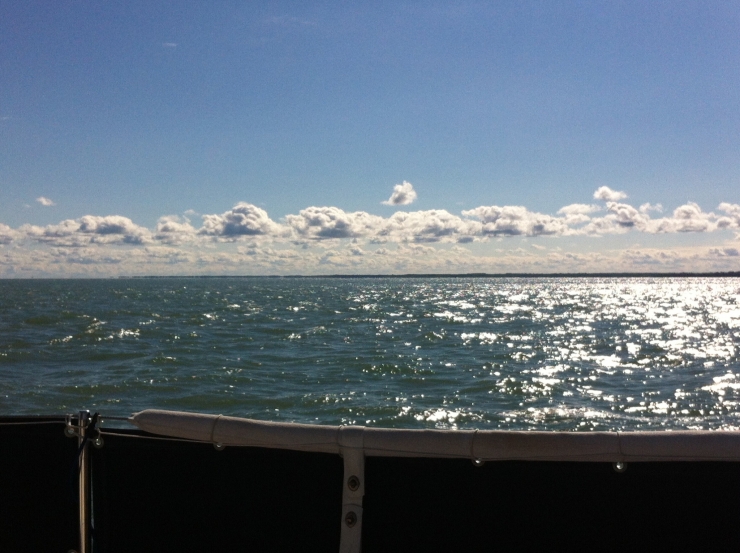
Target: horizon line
column 632, row 274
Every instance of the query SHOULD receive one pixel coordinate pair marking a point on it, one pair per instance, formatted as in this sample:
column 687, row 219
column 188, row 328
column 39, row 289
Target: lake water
column 489, row 353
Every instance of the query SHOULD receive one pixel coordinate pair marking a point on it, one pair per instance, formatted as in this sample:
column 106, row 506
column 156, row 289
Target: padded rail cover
column 486, row 445
column 159, row 495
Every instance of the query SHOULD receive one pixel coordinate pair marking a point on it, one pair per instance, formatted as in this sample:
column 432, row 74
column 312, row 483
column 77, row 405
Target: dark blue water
column 539, row 353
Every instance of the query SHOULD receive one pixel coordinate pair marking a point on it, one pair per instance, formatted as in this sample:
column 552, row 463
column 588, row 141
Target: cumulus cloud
column 627, row 216
column 686, row 218
column 403, row 194
column 331, row 222
column 576, row 214
column 732, row 220
column 619, row 219
column 112, row 224
column 434, row 225
column 608, row 195
column 7, row 234
column 623, row 217
column 45, row 201
column 110, row 229
column 241, row 220
column 514, row 220
column 172, row 229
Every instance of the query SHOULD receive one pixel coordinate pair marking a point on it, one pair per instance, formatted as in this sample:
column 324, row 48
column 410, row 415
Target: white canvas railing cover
column 354, row 443
column 480, row 445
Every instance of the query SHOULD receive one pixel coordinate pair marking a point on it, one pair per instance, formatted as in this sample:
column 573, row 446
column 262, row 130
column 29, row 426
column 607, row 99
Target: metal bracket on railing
column 70, row 429
column 92, row 431
column 353, row 484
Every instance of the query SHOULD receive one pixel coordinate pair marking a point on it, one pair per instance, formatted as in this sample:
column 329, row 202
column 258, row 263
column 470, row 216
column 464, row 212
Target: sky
column 278, row 138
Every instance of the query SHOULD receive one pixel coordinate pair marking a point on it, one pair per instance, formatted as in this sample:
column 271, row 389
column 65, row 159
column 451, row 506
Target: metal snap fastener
column 619, row 466
column 353, row 483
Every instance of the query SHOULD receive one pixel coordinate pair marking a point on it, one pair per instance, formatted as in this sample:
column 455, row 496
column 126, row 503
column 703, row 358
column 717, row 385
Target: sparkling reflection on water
column 539, row 353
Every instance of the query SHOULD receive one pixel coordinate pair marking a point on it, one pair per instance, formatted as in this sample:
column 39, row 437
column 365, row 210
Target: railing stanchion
column 84, row 482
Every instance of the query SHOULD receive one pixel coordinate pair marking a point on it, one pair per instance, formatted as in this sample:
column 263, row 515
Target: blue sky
column 262, row 137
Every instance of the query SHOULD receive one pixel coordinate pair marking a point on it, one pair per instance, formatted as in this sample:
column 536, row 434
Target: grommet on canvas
column 350, row 519
column 218, row 446
column 619, row 466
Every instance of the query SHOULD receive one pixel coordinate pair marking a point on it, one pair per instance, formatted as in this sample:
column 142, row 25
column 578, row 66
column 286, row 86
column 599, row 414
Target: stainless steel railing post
column 84, row 480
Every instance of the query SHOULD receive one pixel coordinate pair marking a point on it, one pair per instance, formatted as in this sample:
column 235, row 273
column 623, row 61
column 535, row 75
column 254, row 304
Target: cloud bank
column 246, row 240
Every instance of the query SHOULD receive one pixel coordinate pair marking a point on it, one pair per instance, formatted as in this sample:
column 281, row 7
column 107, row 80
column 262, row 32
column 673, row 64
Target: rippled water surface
column 539, row 353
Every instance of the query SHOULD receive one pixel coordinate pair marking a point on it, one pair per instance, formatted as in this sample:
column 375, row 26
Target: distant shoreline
column 726, row 274
column 465, row 275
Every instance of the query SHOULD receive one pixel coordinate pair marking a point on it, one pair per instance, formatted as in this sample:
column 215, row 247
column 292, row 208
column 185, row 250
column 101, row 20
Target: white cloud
column 45, row 201
column 608, row 195
column 403, row 194
column 434, row 225
column 627, row 216
column 514, row 220
column 331, row 223
column 733, row 215
column 112, row 224
column 577, row 214
column 418, row 249
column 111, row 229
column 686, row 218
column 241, row 220
column 7, row 234
column 578, row 209
column 621, row 218
column 173, row 229
column 648, row 207
column 169, row 44
column 317, row 240
column 88, row 256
